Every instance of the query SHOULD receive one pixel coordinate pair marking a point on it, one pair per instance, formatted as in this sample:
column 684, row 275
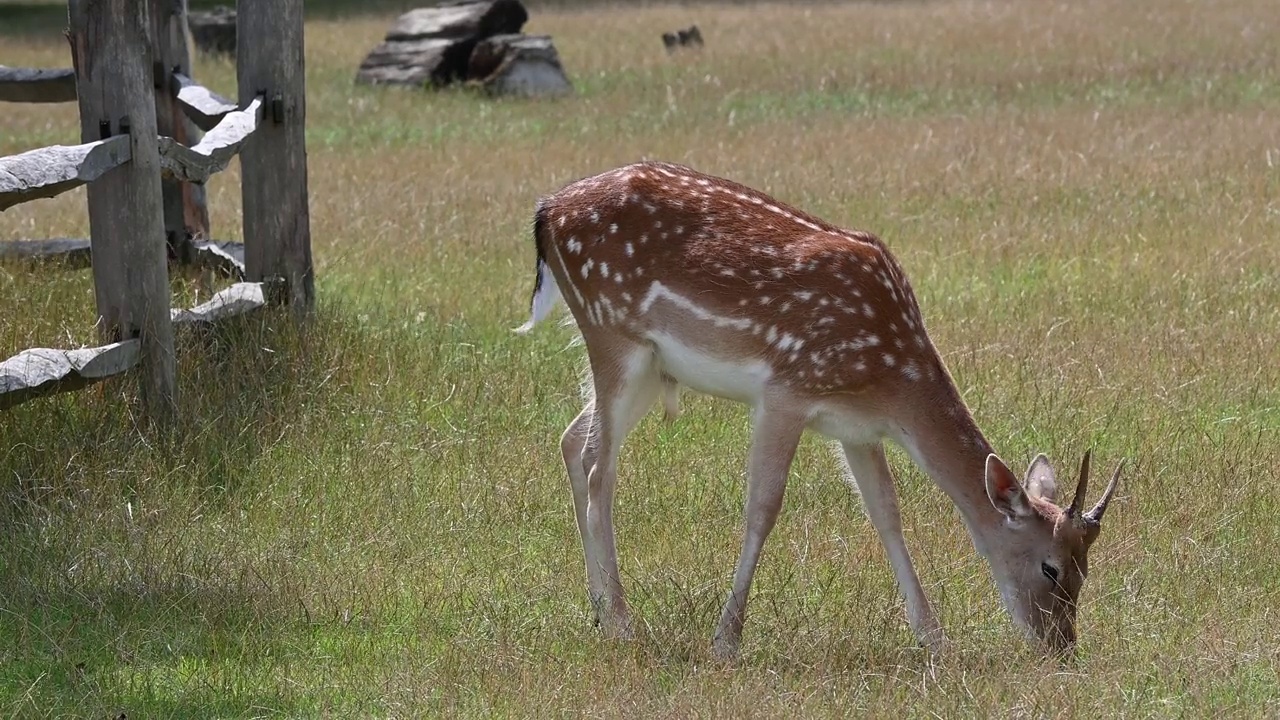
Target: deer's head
column 1040, row 553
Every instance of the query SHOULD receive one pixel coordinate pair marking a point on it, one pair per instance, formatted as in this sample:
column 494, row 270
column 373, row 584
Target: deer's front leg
column 774, row 439
column 875, row 483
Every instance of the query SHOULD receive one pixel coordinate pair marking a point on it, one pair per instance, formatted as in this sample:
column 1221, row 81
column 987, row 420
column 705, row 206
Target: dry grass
column 372, row 519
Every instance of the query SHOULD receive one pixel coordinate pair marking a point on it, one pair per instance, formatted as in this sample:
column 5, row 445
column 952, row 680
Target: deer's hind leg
column 625, row 382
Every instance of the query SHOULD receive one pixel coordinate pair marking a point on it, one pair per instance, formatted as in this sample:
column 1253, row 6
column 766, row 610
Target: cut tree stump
column 214, row 32
column 522, row 65
column 432, row 46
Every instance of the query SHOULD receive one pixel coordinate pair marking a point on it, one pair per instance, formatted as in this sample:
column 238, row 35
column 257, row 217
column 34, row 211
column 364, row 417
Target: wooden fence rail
column 143, row 163
column 33, row 85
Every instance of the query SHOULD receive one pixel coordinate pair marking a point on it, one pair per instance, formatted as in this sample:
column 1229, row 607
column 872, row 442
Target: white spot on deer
column 704, row 182
column 727, row 272
column 785, row 306
column 613, row 228
column 604, row 270
column 574, row 246
column 650, row 208
column 657, row 224
column 825, row 320
column 679, row 230
column 873, row 340
column 784, row 342
column 911, row 371
column 617, row 277
column 631, row 250
column 868, row 310
column 562, row 220
column 888, row 359
column 803, row 295
column 626, row 296
column 639, row 271
column 777, row 273
column 595, row 216
column 772, row 334
column 860, row 366
column 807, row 224
column 586, row 267
column 822, row 301
column 664, row 234
column 764, row 299
column 793, row 357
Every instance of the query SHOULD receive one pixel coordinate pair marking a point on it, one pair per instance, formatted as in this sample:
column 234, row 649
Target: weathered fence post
column 185, row 209
column 277, row 218
column 111, row 53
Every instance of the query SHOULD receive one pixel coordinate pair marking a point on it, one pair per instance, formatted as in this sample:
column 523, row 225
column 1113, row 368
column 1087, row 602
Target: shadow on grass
column 110, row 605
column 99, row 651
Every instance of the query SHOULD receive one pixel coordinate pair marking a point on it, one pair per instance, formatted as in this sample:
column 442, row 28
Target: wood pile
column 467, row 42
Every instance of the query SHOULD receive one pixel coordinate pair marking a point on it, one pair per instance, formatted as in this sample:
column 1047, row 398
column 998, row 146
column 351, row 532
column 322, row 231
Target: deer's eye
column 1049, row 571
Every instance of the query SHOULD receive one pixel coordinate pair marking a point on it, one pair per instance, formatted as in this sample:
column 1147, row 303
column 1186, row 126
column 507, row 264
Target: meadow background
column 370, row 518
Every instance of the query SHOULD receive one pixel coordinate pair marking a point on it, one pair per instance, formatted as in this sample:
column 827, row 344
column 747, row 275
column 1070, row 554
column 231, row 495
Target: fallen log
column 522, row 65
column 432, row 46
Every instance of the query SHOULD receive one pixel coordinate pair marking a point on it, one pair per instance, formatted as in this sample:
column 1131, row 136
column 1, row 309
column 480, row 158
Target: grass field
column 371, row 518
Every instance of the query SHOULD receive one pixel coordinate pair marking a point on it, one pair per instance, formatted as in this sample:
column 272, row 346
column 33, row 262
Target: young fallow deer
column 675, row 277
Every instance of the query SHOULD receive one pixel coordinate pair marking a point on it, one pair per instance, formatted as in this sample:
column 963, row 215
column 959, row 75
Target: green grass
column 369, row 517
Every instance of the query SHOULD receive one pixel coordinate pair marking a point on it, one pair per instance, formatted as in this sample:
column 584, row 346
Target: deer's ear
column 1003, row 489
column 1041, row 481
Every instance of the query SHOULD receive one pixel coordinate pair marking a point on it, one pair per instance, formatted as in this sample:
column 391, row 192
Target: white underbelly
column 847, row 425
column 741, row 380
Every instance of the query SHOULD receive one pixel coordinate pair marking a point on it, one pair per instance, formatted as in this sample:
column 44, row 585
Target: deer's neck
column 947, row 444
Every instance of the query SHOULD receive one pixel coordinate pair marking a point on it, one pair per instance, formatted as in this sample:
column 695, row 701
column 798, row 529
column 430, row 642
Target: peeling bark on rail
column 205, row 107
column 50, row 171
column 213, row 152
column 44, row 371
column 235, row 300
column 39, row 372
column 37, row 85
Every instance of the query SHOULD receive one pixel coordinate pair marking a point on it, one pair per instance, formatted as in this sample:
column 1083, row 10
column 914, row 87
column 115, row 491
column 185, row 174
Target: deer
column 679, row 279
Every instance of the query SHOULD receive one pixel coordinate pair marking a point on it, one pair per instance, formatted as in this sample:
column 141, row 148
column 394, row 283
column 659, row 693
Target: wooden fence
column 140, row 115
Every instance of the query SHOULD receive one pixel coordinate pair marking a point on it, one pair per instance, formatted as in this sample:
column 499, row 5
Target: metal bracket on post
column 157, row 75
column 277, row 108
column 104, row 129
column 125, row 126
